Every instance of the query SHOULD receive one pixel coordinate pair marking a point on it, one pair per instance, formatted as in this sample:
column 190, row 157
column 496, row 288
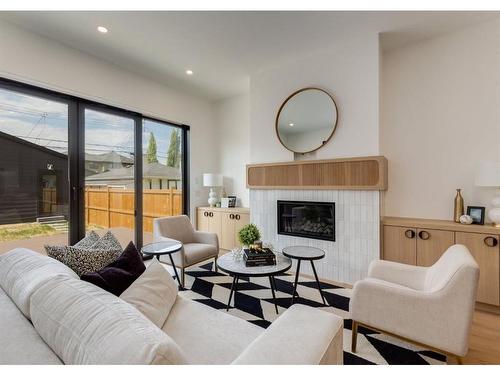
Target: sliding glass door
column 34, row 187
column 109, row 167
column 162, row 173
column 69, row 165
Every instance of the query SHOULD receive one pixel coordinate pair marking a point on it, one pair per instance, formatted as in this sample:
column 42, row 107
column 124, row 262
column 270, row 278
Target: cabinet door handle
column 237, row 217
column 231, row 216
column 211, row 214
column 205, row 213
column 490, row 241
column 424, row 235
column 410, row 233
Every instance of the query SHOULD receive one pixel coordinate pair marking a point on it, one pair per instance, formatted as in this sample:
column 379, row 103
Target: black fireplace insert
column 307, row 219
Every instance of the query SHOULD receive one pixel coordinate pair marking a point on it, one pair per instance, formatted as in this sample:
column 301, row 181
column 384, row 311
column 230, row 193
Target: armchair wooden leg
column 460, row 360
column 182, row 277
column 215, row 264
column 354, row 337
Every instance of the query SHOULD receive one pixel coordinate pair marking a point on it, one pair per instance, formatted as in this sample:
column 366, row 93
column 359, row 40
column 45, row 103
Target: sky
column 45, row 122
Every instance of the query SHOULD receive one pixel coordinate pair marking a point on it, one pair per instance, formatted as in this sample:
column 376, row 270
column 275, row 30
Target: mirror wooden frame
column 286, row 101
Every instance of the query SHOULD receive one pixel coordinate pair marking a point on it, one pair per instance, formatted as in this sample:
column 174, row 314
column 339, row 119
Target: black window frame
column 76, row 153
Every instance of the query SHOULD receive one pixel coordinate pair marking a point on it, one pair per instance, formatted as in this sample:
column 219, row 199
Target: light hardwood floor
column 484, row 344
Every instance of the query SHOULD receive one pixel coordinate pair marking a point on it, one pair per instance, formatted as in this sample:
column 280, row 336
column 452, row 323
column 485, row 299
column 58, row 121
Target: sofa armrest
column 398, row 273
column 302, row 335
column 206, row 238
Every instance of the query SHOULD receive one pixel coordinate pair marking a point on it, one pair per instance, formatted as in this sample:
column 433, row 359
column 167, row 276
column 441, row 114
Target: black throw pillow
column 119, row 275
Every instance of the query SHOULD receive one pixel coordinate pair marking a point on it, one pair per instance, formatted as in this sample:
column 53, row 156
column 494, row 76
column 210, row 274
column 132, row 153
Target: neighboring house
column 99, row 163
column 155, row 176
column 33, row 181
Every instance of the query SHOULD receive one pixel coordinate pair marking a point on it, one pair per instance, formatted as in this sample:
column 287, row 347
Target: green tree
column 174, row 149
column 151, row 156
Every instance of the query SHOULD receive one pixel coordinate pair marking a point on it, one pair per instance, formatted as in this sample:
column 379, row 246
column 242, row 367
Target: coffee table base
column 272, row 284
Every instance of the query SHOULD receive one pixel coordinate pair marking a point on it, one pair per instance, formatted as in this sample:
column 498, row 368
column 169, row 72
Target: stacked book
column 263, row 257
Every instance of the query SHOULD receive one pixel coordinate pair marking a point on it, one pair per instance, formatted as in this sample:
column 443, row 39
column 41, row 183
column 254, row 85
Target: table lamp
column 488, row 175
column 212, row 180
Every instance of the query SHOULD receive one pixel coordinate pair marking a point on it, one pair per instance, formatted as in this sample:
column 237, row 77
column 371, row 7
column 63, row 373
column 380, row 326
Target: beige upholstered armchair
column 197, row 246
column 429, row 306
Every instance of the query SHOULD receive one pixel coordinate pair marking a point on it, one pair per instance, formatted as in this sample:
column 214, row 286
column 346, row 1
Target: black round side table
column 164, row 248
column 301, row 253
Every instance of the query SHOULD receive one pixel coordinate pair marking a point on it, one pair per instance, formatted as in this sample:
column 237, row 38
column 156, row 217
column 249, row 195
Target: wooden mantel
column 360, row 173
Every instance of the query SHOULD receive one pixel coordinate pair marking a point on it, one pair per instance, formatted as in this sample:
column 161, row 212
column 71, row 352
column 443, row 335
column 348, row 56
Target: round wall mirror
column 306, row 120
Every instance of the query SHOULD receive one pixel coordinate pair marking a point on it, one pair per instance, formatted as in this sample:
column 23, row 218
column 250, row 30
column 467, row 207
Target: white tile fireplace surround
column 357, row 221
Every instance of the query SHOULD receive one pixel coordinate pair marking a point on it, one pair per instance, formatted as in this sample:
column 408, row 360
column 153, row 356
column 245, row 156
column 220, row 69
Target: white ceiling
column 225, row 48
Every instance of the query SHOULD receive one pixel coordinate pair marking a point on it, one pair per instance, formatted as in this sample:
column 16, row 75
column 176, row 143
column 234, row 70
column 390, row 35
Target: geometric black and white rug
column 253, row 302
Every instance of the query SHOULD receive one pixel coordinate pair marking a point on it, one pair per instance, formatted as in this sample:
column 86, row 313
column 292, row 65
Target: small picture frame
column 232, row 201
column 224, row 202
column 477, row 214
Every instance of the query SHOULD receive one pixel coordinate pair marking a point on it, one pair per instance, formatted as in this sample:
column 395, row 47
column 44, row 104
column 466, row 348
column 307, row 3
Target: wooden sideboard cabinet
column 225, row 222
column 422, row 241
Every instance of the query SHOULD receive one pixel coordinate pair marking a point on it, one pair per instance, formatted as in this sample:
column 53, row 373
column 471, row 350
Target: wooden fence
column 114, row 207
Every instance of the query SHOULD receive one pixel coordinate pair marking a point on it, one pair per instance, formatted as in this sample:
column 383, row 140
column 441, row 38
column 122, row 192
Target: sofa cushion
column 206, row 335
column 22, row 271
column 153, row 293
column 117, row 276
column 84, row 324
column 20, row 344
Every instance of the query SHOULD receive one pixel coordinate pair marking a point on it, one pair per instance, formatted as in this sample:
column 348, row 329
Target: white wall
column 440, row 115
column 232, row 119
column 33, row 59
column 349, row 72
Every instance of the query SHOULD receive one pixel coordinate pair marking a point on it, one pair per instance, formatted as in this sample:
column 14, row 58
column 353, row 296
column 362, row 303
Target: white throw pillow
column 153, row 293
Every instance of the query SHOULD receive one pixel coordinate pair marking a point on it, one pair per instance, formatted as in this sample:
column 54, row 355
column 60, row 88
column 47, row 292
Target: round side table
column 164, row 248
column 301, row 253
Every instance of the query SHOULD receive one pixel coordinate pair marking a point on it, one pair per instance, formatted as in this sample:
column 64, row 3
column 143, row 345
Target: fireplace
column 307, row 219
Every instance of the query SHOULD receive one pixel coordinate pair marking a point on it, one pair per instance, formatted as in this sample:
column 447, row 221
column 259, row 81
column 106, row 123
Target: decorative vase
column 212, row 197
column 465, row 219
column 459, row 206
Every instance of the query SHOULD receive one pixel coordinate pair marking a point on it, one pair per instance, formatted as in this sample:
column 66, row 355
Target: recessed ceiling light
column 291, row 124
column 189, row 72
column 102, row 29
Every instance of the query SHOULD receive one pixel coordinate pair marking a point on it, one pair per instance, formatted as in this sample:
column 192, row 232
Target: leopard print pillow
column 83, row 261
column 88, row 241
column 107, row 242
column 83, row 258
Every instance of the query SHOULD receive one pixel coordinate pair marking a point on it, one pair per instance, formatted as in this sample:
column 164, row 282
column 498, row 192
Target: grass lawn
column 25, row 230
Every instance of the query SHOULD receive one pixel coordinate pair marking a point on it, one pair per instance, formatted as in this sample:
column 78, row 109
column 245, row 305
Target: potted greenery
column 248, row 235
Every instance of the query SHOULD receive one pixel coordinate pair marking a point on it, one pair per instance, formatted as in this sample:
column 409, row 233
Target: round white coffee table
column 235, row 267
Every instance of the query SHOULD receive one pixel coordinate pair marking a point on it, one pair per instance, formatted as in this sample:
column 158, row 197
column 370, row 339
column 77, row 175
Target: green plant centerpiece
column 248, row 235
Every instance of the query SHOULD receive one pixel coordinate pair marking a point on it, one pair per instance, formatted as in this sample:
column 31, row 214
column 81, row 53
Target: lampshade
column 212, row 179
column 488, row 174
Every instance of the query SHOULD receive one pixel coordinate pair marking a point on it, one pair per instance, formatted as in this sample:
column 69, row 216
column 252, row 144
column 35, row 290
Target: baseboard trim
column 488, row 308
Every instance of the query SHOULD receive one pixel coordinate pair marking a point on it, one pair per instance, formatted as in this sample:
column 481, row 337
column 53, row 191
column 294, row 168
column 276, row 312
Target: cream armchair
column 429, row 306
column 197, row 246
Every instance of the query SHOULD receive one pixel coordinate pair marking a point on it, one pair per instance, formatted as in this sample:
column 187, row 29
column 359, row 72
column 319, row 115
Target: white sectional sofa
column 49, row 316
